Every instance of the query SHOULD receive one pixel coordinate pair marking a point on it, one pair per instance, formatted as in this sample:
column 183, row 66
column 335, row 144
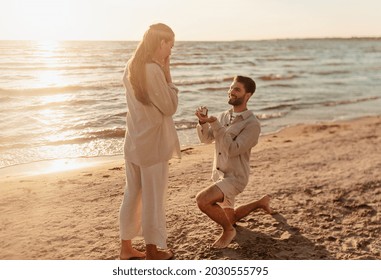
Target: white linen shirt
column 151, row 135
column 233, row 144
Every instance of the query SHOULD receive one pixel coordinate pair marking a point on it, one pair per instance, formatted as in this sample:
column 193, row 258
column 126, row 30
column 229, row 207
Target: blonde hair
column 143, row 54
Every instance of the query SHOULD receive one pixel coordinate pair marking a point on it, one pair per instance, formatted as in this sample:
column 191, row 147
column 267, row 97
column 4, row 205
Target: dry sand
column 324, row 179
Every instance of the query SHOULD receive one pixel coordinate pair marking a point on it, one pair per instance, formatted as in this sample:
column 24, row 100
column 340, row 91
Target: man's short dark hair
column 247, row 82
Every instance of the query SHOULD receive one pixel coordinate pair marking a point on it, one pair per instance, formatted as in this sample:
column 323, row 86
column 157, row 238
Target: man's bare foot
column 264, row 203
column 154, row 254
column 226, row 237
column 132, row 254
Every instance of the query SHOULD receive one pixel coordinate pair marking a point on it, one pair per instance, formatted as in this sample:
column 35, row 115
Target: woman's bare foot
column 224, row 240
column 127, row 252
column 154, row 254
column 133, row 255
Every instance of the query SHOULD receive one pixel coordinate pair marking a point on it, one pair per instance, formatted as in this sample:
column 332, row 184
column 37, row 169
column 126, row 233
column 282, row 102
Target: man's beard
column 236, row 101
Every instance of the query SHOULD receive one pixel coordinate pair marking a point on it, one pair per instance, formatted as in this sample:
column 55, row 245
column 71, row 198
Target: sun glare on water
column 48, row 55
column 49, row 79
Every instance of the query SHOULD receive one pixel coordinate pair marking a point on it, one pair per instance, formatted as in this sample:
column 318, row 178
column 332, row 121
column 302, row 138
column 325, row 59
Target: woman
column 150, row 142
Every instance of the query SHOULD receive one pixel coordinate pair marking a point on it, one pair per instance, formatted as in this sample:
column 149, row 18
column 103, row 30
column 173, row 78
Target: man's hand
column 204, row 118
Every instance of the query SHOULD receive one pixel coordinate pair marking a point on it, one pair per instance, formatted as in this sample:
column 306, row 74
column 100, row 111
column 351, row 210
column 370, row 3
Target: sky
column 191, row 20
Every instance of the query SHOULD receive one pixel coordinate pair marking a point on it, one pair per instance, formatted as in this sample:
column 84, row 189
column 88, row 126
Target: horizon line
column 235, row 40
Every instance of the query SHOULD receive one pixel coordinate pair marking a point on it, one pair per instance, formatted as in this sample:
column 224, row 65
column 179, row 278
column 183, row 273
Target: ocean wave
column 71, row 103
column 58, row 68
column 112, row 133
column 5, row 99
column 203, row 81
column 350, row 101
column 286, row 59
column 297, row 106
column 215, row 89
column 271, row 116
column 123, row 114
column 91, row 136
column 176, row 64
column 278, row 107
column 283, row 85
column 336, row 64
column 9, row 146
column 334, row 72
column 182, row 125
column 335, row 83
column 277, row 77
column 52, row 90
column 107, row 133
column 249, row 63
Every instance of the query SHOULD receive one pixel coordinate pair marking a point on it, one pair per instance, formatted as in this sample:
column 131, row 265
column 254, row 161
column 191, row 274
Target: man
column 235, row 132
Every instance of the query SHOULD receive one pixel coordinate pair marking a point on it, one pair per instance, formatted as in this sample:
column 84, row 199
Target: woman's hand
column 166, row 69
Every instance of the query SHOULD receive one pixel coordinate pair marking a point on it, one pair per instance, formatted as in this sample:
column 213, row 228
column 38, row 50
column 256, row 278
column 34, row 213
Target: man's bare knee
column 208, row 197
column 205, row 198
column 200, row 199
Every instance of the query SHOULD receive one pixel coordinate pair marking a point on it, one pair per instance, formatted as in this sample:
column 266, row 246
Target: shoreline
column 60, row 165
column 323, row 178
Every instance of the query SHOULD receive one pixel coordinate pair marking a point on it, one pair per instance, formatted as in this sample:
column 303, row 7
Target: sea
column 65, row 100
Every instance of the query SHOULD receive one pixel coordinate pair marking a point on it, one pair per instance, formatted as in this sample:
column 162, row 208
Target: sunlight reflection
column 56, row 138
column 48, row 53
column 48, row 48
column 54, row 98
column 50, row 166
column 50, row 78
column 61, row 165
column 52, row 120
column 50, row 81
column 50, row 115
column 57, row 166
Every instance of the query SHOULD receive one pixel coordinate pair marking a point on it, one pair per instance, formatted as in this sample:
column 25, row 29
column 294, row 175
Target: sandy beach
column 324, row 180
